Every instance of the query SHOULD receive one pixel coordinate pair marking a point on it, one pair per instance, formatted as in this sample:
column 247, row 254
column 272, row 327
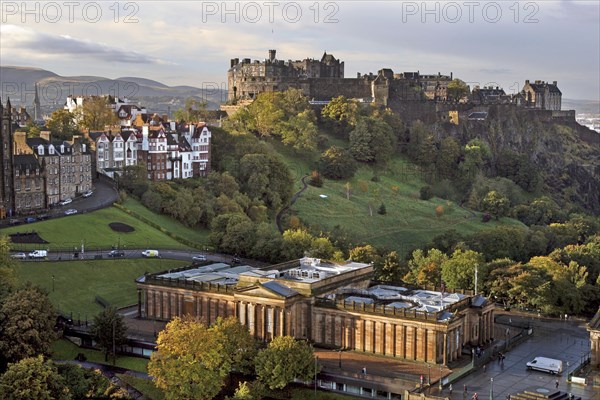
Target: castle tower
column 7, row 195
column 37, row 107
column 272, row 55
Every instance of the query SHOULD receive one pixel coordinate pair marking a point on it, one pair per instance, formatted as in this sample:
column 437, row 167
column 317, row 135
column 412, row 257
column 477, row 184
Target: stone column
column 445, row 351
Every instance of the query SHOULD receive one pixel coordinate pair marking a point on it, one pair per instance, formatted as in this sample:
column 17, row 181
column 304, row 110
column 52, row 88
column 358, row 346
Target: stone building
column 542, row 95
column 7, row 195
column 334, row 305
column 28, row 184
column 322, row 80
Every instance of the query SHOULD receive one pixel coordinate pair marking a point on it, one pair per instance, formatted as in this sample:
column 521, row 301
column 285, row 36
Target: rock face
column 567, row 154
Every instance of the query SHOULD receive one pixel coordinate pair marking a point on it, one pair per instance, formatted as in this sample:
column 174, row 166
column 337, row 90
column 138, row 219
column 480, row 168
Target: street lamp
column 492, row 389
column 567, row 377
column 340, row 360
column 428, row 374
column 441, row 384
column 53, row 283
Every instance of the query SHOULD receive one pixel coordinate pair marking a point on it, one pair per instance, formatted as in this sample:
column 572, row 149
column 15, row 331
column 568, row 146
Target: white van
column 38, row 254
column 546, row 365
column 151, row 253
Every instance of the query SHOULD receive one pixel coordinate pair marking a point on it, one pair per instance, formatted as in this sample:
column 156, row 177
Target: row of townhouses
column 168, row 151
column 39, row 172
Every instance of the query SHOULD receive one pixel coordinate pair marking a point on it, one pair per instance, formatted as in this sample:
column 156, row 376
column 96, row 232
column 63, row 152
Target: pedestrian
column 484, row 368
column 465, row 388
column 474, row 397
column 450, row 388
column 556, row 384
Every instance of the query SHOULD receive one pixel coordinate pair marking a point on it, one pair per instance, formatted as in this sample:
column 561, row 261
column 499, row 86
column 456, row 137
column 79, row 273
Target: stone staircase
column 558, row 395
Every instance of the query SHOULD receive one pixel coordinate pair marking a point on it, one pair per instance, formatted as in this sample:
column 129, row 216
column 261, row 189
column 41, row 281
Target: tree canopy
column 284, row 360
column 27, row 319
column 109, row 330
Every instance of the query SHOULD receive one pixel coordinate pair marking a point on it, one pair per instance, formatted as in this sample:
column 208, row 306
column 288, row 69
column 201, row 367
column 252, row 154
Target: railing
column 380, row 309
column 187, row 284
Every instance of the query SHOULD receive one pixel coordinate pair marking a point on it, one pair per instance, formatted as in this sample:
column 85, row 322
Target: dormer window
column 51, row 150
column 41, row 150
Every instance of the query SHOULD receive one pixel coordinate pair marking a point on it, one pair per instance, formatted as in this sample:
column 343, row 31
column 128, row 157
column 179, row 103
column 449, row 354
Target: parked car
column 43, row 217
column 19, row 256
column 15, row 221
column 66, row 201
column 236, row 260
column 116, row 253
column 71, row 211
column 88, row 193
column 38, row 254
column 151, row 253
column 200, row 257
column 29, row 220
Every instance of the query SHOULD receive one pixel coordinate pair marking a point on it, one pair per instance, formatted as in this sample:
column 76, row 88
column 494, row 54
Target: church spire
column 37, row 107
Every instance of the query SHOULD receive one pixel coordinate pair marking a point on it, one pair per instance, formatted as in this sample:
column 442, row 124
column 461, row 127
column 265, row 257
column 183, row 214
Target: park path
column 292, row 201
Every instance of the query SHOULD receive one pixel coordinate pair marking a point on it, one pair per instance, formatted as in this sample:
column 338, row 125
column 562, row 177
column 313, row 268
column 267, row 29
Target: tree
column 425, row 268
column 296, row 242
column 27, row 319
column 194, row 110
column 340, row 115
column 447, row 158
column 382, row 210
column 284, row 360
column 300, row 131
column 190, row 361
column 110, row 331
column 134, row 180
column 337, row 163
column 372, row 140
column 95, row 114
column 458, row 272
column 391, row 269
column 62, row 124
column 33, row 378
column 8, row 274
column 426, row 192
column 237, row 343
column 315, row 179
column 84, row 383
column 364, row 254
column 496, row 204
column 265, row 177
column 457, row 89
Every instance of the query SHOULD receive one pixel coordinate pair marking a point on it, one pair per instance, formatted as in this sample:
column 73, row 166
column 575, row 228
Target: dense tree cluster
column 194, row 361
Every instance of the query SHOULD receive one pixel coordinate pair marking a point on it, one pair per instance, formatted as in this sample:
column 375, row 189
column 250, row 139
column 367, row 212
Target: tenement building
column 332, row 304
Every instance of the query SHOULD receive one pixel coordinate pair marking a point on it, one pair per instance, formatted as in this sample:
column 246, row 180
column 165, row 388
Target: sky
column 498, row 43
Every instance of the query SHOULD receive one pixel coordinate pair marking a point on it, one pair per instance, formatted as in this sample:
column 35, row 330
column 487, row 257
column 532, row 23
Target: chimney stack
column 554, row 83
column 272, row 55
column 45, row 135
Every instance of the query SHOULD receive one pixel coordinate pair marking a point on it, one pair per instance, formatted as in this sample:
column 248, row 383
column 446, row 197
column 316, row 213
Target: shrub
column 375, row 178
column 486, row 217
column 382, row 210
column 439, row 211
column 315, row 179
column 426, row 192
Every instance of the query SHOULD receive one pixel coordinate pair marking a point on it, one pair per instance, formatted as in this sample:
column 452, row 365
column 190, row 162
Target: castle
column 411, row 94
column 322, row 80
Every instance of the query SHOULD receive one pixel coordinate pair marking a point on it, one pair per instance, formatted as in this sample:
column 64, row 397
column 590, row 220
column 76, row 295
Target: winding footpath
column 292, row 201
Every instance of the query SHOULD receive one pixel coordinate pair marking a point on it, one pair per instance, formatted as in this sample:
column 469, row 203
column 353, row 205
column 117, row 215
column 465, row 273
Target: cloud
column 43, row 45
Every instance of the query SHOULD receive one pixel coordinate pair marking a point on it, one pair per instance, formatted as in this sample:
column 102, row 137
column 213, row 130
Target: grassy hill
column 409, row 221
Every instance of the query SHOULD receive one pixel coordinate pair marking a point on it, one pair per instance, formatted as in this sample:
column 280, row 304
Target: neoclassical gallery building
column 335, row 305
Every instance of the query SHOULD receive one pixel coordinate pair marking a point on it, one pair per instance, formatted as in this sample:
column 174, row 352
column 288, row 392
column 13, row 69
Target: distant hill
column 582, row 106
column 54, row 88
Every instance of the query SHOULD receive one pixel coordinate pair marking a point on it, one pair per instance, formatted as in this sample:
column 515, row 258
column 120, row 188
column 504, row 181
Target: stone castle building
column 542, row 95
column 322, row 80
column 333, row 305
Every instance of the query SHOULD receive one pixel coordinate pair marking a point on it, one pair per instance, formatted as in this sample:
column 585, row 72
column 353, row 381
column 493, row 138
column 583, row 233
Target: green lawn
column 77, row 283
column 409, row 221
column 198, row 235
column 63, row 349
column 145, row 386
column 93, row 229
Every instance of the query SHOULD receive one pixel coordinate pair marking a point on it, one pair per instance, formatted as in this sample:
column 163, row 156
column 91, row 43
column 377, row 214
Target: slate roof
column 280, row 289
column 22, row 161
